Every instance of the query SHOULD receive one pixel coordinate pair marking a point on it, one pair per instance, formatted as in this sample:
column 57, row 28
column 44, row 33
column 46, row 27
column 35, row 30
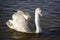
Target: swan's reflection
column 24, row 36
column 14, row 35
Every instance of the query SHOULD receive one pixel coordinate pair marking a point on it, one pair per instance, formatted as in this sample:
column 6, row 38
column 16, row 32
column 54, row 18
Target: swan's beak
column 39, row 11
column 40, row 14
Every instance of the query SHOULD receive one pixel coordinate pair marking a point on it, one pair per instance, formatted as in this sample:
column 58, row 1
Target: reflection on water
column 14, row 35
column 50, row 21
column 25, row 36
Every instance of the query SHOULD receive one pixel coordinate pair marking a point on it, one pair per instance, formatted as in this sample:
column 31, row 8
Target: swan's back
column 20, row 23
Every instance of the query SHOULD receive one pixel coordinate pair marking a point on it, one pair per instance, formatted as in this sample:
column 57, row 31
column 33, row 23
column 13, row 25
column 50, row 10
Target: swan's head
column 38, row 10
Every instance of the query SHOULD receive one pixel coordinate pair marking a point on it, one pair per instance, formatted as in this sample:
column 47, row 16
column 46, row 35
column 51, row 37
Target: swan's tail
column 9, row 24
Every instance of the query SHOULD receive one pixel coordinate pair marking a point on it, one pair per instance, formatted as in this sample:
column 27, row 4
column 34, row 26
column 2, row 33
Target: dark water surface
column 50, row 22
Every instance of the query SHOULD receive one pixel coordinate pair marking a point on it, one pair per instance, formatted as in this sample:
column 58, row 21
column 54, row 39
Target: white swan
column 22, row 22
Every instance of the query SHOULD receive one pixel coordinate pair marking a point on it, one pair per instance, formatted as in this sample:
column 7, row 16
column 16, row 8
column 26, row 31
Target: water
column 49, row 22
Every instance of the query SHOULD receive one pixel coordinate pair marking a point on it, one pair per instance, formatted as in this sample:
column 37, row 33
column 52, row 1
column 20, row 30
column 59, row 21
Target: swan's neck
column 38, row 28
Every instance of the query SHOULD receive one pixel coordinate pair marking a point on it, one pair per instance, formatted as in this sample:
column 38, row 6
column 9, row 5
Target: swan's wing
column 26, row 15
column 20, row 23
column 31, row 24
column 19, row 12
column 30, row 21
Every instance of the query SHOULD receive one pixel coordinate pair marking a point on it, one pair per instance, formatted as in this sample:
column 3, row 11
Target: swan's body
column 22, row 22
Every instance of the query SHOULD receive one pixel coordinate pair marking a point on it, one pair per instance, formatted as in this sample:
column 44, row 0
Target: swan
column 21, row 21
